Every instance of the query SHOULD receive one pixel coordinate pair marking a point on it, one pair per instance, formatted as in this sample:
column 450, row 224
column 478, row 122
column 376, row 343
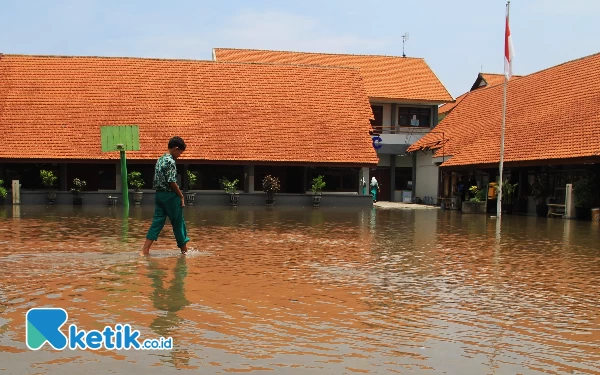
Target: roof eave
column 382, row 99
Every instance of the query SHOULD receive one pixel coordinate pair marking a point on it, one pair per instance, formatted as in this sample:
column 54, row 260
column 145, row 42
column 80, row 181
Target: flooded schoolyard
column 303, row 291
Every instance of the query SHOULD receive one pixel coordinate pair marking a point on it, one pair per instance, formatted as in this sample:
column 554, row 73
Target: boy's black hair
column 177, row 142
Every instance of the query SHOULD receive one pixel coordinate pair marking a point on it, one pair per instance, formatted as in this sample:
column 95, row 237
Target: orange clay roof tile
column 52, row 107
column 450, row 106
column 551, row 114
column 389, row 77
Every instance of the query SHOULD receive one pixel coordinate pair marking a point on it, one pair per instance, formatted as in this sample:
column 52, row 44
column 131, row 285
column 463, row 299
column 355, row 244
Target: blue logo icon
column 378, row 140
column 43, row 325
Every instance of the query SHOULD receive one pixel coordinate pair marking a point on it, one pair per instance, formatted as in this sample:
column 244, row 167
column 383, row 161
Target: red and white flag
column 509, row 53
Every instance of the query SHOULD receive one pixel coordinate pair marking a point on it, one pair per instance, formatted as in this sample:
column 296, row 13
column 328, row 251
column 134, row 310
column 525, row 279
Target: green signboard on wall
column 121, row 138
column 127, row 135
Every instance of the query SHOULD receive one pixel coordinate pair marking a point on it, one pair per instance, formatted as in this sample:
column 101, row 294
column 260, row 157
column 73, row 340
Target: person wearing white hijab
column 374, row 188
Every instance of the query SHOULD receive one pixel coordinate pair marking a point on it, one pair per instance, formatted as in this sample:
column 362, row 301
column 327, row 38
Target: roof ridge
column 561, row 64
column 103, row 57
column 184, row 60
column 318, row 53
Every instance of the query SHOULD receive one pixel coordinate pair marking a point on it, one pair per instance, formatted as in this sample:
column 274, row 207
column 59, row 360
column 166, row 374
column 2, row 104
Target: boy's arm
column 178, row 192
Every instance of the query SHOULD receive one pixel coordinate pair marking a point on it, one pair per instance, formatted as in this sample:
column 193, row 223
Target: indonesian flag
column 509, row 53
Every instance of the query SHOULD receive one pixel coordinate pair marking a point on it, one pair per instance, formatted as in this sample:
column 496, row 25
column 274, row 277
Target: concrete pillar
column 414, row 174
column 249, row 179
column 16, row 192
column 394, row 122
column 392, row 176
column 434, row 116
column 363, row 176
column 62, row 177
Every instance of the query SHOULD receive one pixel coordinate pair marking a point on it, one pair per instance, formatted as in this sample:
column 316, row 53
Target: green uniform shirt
column 164, row 173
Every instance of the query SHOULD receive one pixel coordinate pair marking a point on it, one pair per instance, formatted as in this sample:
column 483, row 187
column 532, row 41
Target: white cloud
column 283, row 31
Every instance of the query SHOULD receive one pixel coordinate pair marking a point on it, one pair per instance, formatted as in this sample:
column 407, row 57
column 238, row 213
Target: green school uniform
column 166, row 202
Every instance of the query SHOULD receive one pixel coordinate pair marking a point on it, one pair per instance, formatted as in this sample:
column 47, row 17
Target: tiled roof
column 52, row 107
column 450, row 106
column 385, row 76
column 493, row 79
column 489, row 80
column 551, row 114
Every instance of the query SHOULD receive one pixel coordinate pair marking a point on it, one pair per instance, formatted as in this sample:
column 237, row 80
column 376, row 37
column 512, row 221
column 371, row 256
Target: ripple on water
column 328, row 290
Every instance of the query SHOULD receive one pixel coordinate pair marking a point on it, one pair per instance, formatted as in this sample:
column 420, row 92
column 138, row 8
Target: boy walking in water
column 169, row 200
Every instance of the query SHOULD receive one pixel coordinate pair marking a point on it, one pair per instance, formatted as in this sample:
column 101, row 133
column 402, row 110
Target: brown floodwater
column 303, row 291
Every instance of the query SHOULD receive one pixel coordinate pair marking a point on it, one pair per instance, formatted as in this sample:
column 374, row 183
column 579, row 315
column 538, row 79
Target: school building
column 552, row 137
column 241, row 119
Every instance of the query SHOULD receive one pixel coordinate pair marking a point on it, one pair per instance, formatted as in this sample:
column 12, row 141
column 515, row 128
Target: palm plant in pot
column 230, row 188
column 49, row 181
column 78, row 185
column 508, row 196
column 317, row 187
column 584, row 191
column 270, row 186
column 539, row 192
column 136, row 182
column 3, row 192
column 192, row 180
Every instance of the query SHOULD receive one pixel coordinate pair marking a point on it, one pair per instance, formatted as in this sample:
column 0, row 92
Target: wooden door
column 382, row 175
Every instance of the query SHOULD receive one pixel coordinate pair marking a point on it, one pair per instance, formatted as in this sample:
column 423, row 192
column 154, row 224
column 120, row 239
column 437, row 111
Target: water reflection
column 169, row 301
column 309, row 291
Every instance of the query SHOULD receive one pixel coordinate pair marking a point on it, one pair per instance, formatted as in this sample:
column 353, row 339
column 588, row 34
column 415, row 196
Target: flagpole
column 501, row 167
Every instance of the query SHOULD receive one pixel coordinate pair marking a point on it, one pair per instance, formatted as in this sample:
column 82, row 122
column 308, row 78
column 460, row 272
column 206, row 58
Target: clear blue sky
column 456, row 38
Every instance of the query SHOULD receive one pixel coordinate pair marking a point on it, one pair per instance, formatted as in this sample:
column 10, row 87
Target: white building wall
column 427, row 177
column 387, row 116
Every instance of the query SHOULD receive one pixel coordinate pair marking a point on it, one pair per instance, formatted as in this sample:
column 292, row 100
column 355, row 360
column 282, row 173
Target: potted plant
column 136, row 182
column 78, row 185
column 539, row 192
column 192, row 179
column 230, row 188
column 508, row 194
column 477, row 204
column 317, row 187
column 270, row 186
column 49, row 181
column 3, row 192
column 584, row 198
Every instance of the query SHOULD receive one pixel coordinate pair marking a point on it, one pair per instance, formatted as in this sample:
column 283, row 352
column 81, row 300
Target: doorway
column 382, row 174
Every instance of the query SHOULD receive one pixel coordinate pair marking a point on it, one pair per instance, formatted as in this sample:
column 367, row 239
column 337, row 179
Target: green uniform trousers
column 168, row 204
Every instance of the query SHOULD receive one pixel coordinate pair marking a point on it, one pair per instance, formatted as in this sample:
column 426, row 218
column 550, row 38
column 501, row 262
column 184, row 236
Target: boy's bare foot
column 183, row 249
column 146, row 249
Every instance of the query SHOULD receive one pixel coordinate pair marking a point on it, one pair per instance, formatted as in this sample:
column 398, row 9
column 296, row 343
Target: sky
column 457, row 39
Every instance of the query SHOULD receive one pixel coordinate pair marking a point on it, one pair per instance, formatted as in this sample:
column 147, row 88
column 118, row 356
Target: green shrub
column 192, row 179
column 78, row 185
column 135, row 180
column 584, row 191
column 3, row 191
column 270, row 184
column 48, row 178
column 317, row 185
column 229, row 186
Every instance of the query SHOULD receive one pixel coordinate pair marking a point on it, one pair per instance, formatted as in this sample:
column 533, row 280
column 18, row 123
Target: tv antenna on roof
column 404, row 40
